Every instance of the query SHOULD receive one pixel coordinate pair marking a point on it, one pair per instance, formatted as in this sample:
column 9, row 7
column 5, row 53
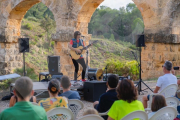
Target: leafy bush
column 32, row 19
column 133, row 47
column 52, row 43
column 28, row 26
column 30, row 73
column 123, row 68
column 36, row 38
column 112, row 37
column 6, row 83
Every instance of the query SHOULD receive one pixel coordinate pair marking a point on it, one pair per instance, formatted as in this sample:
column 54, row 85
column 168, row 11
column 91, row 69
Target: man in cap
column 163, row 81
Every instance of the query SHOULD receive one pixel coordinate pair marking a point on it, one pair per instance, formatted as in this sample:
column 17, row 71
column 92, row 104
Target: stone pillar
column 159, row 48
column 10, row 58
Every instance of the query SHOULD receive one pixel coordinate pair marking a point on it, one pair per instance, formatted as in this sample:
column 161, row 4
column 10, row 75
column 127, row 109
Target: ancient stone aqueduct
column 161, row 20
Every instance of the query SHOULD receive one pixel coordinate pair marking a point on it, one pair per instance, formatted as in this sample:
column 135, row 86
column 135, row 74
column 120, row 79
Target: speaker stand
column 140, row 82
column 24, row 73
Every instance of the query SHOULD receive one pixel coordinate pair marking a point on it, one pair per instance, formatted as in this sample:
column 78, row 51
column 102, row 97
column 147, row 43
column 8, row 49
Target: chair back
column 104, row 114
column 75, row 106
column 172, row 102
column 169, row 91
column 166, row 113
column 91, row 117
column 137, row 114
column 60, row 113
column 34, row 103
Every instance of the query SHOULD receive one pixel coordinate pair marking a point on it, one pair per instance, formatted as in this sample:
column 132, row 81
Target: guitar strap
column 77, row 43
column 81, row 42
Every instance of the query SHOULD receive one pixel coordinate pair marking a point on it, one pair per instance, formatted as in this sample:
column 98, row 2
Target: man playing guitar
column 73, row 45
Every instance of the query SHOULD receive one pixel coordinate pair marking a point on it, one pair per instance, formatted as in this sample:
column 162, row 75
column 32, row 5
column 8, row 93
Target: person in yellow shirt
column 54, row 100
column 127, row 103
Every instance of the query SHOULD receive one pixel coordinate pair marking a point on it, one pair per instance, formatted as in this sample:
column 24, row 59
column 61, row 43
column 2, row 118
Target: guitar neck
column 84, row 48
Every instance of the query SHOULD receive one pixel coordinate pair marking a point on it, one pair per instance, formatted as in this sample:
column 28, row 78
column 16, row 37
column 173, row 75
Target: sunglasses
column 79, row 34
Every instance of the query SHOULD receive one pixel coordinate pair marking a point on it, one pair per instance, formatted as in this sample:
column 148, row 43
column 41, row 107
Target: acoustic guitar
column 75, row 55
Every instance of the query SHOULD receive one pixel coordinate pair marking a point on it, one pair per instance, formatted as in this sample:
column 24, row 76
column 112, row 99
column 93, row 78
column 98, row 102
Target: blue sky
column 116, row 3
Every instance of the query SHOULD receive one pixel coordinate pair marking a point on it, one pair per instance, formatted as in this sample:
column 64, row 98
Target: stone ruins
column 160, row 17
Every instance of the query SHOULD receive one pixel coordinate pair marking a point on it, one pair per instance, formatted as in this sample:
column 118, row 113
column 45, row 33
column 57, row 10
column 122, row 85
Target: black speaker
column 23, row 44
column 54, row 65
column 140, row 41
column 93, row 90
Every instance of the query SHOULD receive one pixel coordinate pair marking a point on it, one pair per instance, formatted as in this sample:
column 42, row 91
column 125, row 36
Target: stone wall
column 160, row 17
column 157, row 52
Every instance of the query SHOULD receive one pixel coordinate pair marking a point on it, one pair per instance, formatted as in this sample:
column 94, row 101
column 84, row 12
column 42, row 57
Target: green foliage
column 123, row 68
column 138, row 26
column 48, row 25
column 52, row 43
column 32, row 19
column 39, row 11
column 6, row 83
column 112, row 37
column 30, row 73
column 121, row 23
column 133, row 47
column 28, row 26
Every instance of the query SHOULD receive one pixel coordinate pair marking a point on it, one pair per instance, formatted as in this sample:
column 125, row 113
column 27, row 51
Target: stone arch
column 12, row 12
column 88, row 8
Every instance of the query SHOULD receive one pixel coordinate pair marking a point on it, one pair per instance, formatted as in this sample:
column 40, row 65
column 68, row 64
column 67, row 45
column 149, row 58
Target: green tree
column 138, row 26
column 49, row 26
column 112, row 37
column 39, row 11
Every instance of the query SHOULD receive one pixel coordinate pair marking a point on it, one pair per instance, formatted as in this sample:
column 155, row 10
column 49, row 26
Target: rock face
column 161, row 20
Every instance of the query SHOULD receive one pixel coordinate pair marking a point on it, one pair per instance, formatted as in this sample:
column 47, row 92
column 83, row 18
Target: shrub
column 36, row 38
column 32, row 19
column 123, row 68
column 133, row 47
column 52, row 43
column 30, row 73
column 28, row 26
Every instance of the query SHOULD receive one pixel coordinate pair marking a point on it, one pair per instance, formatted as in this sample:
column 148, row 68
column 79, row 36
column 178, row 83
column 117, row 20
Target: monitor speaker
column 140, row 41
column 54, row 65
column 93, row 90
column 23, row 45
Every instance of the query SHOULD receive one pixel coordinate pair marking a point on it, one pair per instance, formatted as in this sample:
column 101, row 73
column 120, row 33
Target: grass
column 106, row 49
column 37, row 57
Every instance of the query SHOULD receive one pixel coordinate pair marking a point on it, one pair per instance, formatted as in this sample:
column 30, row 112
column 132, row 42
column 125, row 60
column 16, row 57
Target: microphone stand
column 140, row 79
column 106, row 71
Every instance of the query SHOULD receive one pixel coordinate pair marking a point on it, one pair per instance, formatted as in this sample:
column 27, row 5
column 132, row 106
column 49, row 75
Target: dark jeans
column 82, row 62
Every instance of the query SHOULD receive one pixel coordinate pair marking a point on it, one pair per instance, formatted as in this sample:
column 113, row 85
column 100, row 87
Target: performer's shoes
column 83, row 80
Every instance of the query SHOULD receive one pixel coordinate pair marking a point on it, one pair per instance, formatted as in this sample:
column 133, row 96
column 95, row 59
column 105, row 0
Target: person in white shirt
column 163, row 81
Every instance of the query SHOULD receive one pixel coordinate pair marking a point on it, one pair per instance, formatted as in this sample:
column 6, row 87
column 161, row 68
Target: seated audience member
column 23, row 109
column 127, row 103
column 158, row 102
column 107, row 99
column 14, row 100
column 54, row 100
column 163, row 81
column 66, row 85
column 90, row 111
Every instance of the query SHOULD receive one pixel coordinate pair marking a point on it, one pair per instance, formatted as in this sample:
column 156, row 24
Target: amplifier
column 93, row 90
